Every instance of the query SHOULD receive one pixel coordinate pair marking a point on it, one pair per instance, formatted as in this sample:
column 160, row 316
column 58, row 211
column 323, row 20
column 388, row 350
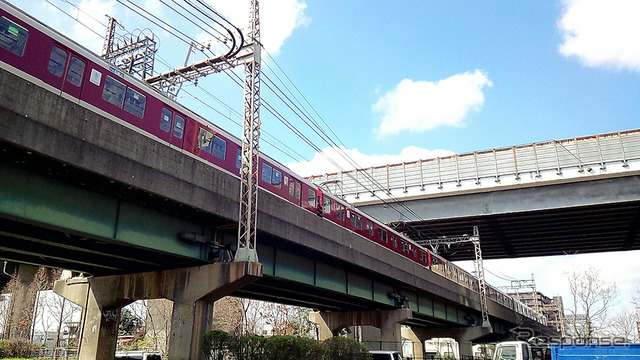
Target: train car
column 35, row 52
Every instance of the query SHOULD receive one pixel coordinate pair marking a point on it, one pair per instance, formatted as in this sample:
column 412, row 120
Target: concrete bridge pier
column 418, row 343
column 192, row 290
column 464, row 336
column 19, row 322
column 388, row 321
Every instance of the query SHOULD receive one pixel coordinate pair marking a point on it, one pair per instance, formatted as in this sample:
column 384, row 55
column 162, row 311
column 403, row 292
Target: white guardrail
column 558, row 160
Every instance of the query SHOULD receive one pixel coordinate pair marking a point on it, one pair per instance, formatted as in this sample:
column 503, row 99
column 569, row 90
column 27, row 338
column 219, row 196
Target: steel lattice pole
column 247, row 221
column 481, row 281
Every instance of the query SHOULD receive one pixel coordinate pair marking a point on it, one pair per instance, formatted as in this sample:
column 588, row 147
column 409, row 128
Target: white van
column 512, row 350
column 385, row 355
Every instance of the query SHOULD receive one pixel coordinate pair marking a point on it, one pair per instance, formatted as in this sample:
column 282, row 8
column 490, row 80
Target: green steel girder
column 309, row 274
column 28, row 198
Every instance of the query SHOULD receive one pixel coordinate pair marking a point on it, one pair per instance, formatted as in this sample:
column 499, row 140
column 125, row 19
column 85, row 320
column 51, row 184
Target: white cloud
column 321, row 165
column 602, row 33
column 278, row 18
column 91, row 13
column 424, row 105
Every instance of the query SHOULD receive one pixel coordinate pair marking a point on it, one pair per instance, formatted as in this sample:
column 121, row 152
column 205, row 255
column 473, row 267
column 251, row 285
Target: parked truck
column 594, row 351
column 521, row 350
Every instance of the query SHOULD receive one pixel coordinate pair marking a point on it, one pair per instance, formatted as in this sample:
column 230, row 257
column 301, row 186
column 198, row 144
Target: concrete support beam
column 464, row 336
column 389, row 322
column 192, row 290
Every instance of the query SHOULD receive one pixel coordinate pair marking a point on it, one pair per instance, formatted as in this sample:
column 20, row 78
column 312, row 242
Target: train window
column 292, row 187
column 370, row 228
column 178, row 127
column 266, row 173
column 382, row 235
column 423, row 256
column 340, row 212
column 276, row 178
column 135, row 103
column 113, row 91
column 204, row 140
column 405, row 246
column 57, row 61
column 76, row 71
column 327, row 206
column 394, row 242
column 356, row 221
column 298, row 190
column 311, row 198
column 219, row 148
column 165, row 120
column 13, row 37
column 239, row 158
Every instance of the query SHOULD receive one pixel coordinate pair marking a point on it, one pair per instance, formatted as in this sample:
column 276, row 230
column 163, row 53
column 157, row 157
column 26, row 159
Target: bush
column 17, row 348
column 250, row 347
column 215, row 344
column 341, row 348
column 293, row 348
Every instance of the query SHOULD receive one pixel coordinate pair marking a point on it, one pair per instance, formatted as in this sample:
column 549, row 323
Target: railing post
column 555, row 147
column 602, row 167
column 625, row 162
column 495, row 163
column 515, row 162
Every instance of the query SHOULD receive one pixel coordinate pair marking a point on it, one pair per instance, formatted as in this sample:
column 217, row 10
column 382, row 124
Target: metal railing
column 517, row 165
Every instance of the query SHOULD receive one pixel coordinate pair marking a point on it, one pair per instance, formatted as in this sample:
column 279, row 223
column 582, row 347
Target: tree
column 625, row 326
column 130, row 324
column 287, row 319
column 158, row 325
column 215, row 344
column 592, row 297
column 342, row 348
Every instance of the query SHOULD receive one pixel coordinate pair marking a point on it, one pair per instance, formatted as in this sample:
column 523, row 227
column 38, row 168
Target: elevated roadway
column 81, row 192
column 570, row 196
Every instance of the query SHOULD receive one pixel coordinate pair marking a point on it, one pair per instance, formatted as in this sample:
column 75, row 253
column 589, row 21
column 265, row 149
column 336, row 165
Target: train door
column 74, row 75
column 173, row 126
column 65, row 70
column 319, row 201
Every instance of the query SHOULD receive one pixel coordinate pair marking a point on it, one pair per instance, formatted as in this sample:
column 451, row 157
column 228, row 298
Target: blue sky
column 426, row 77
column 408, row 79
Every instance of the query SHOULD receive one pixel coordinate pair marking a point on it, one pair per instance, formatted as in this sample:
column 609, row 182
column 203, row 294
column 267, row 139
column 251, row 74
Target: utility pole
column 475, row 240
column 247, row 222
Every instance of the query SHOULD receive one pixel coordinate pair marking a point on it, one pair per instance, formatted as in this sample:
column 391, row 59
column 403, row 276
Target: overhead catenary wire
column 292, row 104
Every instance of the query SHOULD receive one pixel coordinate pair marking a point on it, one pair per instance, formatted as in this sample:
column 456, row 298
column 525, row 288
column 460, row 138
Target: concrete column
column 192, row 290
column 21, row 305
column 464, row 336
column 99, row 323
column 418, row 344
column 389, row 322
column 324, row 332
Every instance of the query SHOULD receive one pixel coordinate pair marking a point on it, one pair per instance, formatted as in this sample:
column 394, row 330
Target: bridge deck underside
column 575, row 230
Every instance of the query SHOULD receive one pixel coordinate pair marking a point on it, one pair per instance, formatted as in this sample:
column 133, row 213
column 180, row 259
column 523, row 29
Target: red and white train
column 43, row 56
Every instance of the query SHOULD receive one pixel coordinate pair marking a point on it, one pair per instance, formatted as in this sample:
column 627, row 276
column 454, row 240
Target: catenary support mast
column 247, row 222
column 475, row 240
